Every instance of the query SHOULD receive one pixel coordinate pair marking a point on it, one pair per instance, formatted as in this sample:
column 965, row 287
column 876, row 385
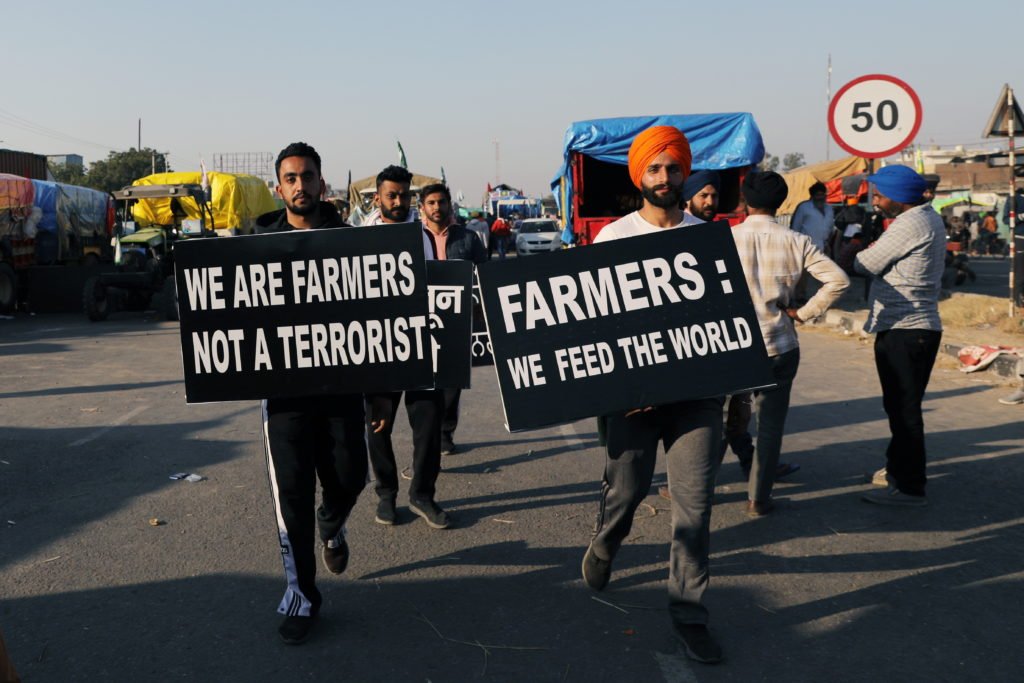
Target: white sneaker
column 893, row 496
column 1014, row 399
column 880, row 478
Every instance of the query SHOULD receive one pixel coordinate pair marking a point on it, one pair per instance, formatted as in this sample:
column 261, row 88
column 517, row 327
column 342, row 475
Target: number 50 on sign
column 874, row 116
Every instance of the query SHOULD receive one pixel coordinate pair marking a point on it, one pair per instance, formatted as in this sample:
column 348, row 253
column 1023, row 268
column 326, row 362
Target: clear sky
column 448, row 78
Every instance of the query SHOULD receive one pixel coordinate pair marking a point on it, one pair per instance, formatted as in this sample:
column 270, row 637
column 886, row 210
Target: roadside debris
column 187, row 476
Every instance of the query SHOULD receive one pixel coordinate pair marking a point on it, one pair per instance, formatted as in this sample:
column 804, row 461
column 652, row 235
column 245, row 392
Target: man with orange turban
column 691, row 431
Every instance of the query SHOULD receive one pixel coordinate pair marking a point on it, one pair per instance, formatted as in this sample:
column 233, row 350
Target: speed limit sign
column 874, row 116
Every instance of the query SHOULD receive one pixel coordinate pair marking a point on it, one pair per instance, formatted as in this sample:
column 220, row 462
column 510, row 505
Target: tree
column 121, row 168
column 71, row 175
column 792, row 160
column 769, row 163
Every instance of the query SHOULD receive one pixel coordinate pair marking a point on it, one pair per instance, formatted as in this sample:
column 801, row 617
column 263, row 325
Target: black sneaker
column 335, row 554
column 431, row 513
column 295, row 630
column 698, row 643
column 596, row 572
column 386, row 511
column 447, row 445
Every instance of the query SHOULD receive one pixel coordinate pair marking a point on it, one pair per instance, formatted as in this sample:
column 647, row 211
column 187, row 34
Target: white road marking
column 675, row 668
column 100, row 432
column 571, row 437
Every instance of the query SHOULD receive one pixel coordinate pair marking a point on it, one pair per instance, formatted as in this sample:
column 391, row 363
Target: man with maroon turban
column 659, row 162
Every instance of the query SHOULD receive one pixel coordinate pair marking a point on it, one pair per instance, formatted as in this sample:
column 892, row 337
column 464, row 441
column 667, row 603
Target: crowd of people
column 333, row 438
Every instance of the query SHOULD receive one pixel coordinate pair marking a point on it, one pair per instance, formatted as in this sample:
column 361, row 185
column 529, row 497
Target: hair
column 395, row 174
column 816, row 188
column 296, row 149
column 435, row 188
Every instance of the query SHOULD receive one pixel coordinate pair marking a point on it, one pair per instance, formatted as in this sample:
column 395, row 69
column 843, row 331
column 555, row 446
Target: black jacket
column 463, row 245
column 277, row 221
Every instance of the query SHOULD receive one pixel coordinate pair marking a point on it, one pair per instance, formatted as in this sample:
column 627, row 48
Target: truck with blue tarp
column 593, row 188
column 44, row 224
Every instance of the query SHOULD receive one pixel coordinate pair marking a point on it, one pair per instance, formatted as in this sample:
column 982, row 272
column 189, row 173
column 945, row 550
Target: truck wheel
column 8, row 288
column 169, row 299
column 95, row 299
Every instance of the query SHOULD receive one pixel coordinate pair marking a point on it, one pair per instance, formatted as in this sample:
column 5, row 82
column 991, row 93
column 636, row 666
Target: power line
column 19, row 122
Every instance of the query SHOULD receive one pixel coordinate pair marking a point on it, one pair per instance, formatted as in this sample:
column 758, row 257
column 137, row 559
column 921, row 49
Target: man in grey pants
column 690, row 431
column 774, row 260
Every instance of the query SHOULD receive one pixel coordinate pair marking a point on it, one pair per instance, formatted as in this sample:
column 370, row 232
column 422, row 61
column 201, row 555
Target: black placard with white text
column 614, row 326
column 450, row 288
column 480, row 349
column 304, row 313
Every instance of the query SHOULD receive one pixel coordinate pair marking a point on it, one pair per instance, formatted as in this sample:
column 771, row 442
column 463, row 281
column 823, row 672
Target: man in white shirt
column 659, row 162
column 814, row 218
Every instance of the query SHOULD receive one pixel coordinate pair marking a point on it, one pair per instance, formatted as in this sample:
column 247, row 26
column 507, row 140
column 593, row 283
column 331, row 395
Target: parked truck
column 43, row 225
column 593, row 187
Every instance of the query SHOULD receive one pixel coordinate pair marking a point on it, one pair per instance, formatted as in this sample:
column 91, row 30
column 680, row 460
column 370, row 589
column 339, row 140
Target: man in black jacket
column 423, row 406
column 310, row 437
column 449, row 241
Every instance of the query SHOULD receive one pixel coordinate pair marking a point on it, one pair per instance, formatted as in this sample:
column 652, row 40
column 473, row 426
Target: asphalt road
column 993, row 276
column 93, row 422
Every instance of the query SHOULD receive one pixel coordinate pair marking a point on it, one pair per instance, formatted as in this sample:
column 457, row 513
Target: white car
column 538, row 235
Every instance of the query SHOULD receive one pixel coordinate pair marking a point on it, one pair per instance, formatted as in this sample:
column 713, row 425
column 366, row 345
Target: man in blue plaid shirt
column 906, row 263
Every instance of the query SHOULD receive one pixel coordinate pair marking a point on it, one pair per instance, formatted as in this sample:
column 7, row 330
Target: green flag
column 401, row 156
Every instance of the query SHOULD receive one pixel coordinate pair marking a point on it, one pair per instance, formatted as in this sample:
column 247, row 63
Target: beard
column 396, row 214
column 665, row 201
column 302, row 209
column 705, row 214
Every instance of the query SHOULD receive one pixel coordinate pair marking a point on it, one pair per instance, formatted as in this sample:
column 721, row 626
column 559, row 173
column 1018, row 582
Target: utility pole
column 497, row 163
column 140, row 135
column 828, row 101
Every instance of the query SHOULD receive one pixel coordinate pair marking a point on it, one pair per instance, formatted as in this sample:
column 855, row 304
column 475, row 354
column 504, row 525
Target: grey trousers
column 690, row 432
column 772, row 408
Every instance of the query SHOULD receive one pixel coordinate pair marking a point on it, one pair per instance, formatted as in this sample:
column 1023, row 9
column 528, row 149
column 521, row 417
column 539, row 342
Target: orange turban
column 652, row 142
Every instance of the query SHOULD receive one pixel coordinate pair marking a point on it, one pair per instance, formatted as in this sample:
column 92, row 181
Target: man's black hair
column 816, row 188
column 296, row 149
column 434, row 189
column 395, row 174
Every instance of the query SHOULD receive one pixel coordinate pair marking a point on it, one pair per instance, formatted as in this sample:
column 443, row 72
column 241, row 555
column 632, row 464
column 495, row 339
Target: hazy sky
column 448, row 78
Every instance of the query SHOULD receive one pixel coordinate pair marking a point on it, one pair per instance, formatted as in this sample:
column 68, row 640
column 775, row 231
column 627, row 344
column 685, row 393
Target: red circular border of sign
column 874, row 77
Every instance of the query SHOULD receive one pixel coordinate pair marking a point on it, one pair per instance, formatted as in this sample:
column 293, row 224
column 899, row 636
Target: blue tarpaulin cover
column 718, row 141
column 46, row 200
column 71, row 209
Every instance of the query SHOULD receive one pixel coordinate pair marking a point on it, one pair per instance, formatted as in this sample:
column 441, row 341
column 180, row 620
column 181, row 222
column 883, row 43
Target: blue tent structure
column 718, row 142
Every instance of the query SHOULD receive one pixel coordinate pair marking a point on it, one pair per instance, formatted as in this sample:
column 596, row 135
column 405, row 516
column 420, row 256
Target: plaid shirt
column 774, row 259
column 907, row 262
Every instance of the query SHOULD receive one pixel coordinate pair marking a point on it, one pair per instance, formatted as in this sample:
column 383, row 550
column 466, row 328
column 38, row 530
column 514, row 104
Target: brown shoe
column 759, row 509
column 663, row 492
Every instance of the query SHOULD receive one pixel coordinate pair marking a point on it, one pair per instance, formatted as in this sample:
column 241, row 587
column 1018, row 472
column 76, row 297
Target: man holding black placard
column 659, row 163
column 449, row 241
column 311, row 437
column 425, row 407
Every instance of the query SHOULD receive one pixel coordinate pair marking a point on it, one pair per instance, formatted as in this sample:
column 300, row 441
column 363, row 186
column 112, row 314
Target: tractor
column 144, row 255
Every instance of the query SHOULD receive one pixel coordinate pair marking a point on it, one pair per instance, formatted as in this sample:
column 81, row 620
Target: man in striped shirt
column 774, row 259
column 907, row 263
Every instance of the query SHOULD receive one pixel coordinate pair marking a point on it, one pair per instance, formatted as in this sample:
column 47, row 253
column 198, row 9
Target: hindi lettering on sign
column 649, row 320
column 303, row 313
column 446, row 298
column 450, row 286
column 481, row 347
